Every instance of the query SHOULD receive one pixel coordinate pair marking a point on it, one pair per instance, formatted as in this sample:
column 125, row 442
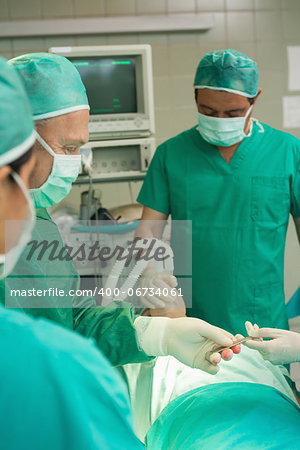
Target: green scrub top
column 111, row 327
column 58, row 391
column 239, row 213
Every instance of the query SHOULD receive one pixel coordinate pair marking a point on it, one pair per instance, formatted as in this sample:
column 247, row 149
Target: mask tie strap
column 44, row 144
column 261, row 128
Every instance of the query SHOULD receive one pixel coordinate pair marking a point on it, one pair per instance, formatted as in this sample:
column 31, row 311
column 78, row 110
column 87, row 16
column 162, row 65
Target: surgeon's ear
column 4, row 172
column 196, row 95
column 257, row 95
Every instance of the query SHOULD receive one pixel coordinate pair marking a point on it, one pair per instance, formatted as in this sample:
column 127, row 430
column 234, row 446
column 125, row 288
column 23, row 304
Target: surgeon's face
column 223, row 104
column 13, row 203
column 65, row 134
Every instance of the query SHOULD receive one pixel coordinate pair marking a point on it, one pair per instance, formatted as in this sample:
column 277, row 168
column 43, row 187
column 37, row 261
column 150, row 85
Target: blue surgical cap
column 228, row 70
column 52, row 83
column 17, row 133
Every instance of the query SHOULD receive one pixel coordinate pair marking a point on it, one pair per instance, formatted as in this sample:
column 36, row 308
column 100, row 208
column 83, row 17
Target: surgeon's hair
column 41, row 123
column 250, row 99
column 18, row 163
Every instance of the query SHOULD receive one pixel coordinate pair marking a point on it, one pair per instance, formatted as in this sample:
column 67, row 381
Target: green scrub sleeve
column 295, row 201
column 155, row 190
column 112, row 329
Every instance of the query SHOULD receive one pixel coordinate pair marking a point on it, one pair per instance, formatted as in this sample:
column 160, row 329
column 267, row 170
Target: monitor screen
column 110, row 83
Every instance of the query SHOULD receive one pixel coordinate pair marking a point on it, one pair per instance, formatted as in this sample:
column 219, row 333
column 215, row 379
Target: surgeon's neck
column 228, row 152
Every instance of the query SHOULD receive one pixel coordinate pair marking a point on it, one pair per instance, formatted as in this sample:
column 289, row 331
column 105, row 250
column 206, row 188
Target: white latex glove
column 152, row 282
column 284, row 348
column 187, row 339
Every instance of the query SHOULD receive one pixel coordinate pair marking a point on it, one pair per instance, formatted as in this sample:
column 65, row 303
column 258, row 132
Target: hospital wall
column 260, row 28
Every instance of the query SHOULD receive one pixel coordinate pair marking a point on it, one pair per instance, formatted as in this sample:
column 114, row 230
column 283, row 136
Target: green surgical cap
column 17, row 133
column 228, row 70
column 52, row 83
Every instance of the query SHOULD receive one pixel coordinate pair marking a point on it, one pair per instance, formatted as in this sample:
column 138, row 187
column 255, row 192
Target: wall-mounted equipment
column 119, row 84
column 119, row 160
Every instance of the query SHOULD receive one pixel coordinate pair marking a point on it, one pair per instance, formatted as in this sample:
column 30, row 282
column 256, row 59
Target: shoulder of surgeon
column 179, row 142
column 24, row 340
column 279, row 137
column 58, row 390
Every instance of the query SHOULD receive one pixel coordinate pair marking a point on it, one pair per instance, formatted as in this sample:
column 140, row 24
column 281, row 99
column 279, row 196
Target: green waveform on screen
column 101, row 63
column 121, row 62
column 81, row 63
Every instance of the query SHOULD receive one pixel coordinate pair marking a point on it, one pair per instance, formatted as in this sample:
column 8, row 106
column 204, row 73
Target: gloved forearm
column 113, row 330
column 191, row 341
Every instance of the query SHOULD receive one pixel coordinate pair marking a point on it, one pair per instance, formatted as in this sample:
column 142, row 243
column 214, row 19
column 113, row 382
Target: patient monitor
column 119, row 85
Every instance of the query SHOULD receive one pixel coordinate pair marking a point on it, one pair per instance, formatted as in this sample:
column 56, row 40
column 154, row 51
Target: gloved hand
column 284, row 348
column 158, row 289
column 187, row 339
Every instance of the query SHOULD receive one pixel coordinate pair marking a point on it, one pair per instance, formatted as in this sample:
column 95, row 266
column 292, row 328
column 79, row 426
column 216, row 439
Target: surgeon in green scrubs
column 57, row 390
column 237, row 179
column 60, row 112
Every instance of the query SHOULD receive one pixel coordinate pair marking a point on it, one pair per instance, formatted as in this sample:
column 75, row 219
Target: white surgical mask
column 64, row 172
column 222, row 132
column 9, row 259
